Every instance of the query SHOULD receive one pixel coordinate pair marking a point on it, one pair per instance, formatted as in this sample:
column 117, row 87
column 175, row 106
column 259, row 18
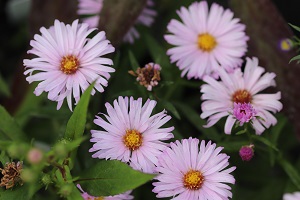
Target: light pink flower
column 68, row 62
column 243, row 112
column 146, row 18
column 206, row 40
column 131, row 134
column 291, row 196
column 123, row 196
column 188, row 173
column 238, row 87
column 92, row 9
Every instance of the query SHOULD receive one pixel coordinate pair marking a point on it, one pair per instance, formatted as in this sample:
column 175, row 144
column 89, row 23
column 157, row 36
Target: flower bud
column 28, row 175
column 34, row 156
column 247, row 152
column 66, row 190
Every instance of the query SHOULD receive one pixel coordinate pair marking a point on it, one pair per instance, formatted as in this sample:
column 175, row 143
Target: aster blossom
column 187, row 172
column 68, row 62
column 238, row 87
column 206, row 40
column 130, row 134
column 291, row 196
column 92, row 9
column 243, row 112
column 123, row 196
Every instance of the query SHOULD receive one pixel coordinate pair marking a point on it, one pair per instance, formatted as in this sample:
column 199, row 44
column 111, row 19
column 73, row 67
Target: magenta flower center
column 69, row 64
column 206, row 42
column 193, row 180
column 243, row 112
column 133, row 139
column 241, row 96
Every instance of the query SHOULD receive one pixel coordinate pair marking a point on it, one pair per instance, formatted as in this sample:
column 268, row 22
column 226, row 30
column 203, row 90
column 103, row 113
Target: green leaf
column 170, row 107
column 291, row 172
column 76, row 124
column 158, row 54
column 133, row 62
column 194, row 118
column 4, row 89
column 295, row 27
column 3, row 158
column 19, row 192
column 232, row 146
column 9, row 127
column 111, row 177
column 29, row 105
column 265, row 141
column 295, row 58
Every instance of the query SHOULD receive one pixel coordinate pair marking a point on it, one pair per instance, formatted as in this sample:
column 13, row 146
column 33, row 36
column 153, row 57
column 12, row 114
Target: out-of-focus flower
column 11, row 174
column 146, row 18
column 131, row 134
column 237, row 87
column 206, row 40
column 148, row 76
column 68, row 62
column 247, row 152
column 123, row 196
column 90, row 9
column 187, row 172
column 291, row 196
column 243, row 112
column 34, row 156
column 285, row 44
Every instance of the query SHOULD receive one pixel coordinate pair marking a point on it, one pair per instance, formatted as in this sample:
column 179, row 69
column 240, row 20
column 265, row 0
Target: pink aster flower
column 243, row 112
column 237, row 87
column 131, row 134
column 189, row 173
column 68, row 62
column 291, row 196
column 90, row 8
column 146, row 18
column 123, row 196
column 206, row 40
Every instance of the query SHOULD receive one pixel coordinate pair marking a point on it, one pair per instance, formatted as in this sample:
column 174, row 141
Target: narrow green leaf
column 295, row 27
column 4, row 89
column 278, row 128
column 295, row 58
column 9, row 127
column 170, row 107
column 133, row 61
column 194, row 118
column 233, row 146
column 30, row 104
column 291, row 172
column 265, row 141
column 111, row 177
column 76, row 123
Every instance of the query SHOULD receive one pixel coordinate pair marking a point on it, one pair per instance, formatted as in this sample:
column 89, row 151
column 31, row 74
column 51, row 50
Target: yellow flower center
column 193, row 180
column 133, row 139
column 206, row 42
column 69, row 64
column 96, row 198
column 241, row 96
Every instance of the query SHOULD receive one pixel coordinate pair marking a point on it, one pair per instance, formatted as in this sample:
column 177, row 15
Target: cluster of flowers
column 208, row 45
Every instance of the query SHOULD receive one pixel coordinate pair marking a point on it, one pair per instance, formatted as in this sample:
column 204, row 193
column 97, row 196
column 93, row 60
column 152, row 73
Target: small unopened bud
column 66, row 190
column 247, row 152
column 60, row 150
column 28, row 175
column 34, row 156
column 17, row 150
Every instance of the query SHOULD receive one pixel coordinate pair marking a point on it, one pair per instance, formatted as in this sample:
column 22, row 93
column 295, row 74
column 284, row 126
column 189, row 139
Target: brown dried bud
column 148, row 76
column 11, row 174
